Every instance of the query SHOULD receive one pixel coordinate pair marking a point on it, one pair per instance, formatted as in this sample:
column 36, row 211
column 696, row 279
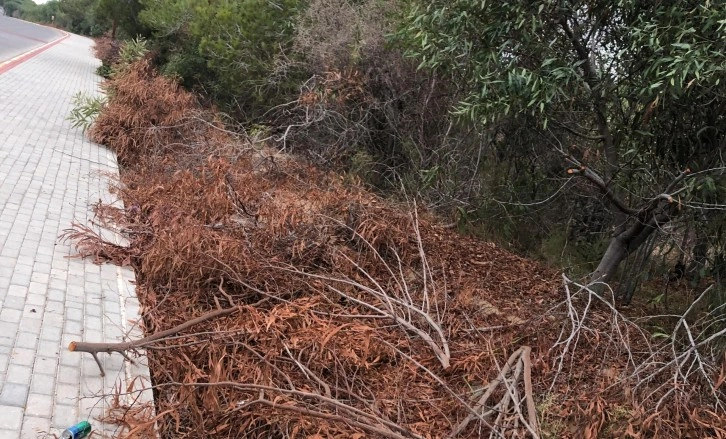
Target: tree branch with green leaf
column 631, row 93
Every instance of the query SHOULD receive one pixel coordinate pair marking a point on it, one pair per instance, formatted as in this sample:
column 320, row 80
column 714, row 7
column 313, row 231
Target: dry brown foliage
column 147, row 115
column 357, row 318
column 107, row 49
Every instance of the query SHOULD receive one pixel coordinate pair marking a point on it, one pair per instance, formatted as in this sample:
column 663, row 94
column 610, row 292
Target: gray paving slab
column 49, row 174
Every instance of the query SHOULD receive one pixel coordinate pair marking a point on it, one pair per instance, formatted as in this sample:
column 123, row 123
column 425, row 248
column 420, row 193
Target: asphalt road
column 18, row 36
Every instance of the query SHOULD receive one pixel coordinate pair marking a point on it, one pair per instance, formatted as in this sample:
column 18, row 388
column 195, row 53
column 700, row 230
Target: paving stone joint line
column 49, row 174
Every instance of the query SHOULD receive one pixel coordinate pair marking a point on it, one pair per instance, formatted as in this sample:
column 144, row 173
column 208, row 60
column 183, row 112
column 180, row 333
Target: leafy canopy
column 235, row 44
column 537, row 57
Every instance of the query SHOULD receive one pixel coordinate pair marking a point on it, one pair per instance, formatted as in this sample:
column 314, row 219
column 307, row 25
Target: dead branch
column 328, row 364
column 393, row 430
column 684, row 360
column 89, row 242
column 397, row 307
column 664, row 373
column 521, row 359
column 528, row 392
column 580, row 316
column 123, row 347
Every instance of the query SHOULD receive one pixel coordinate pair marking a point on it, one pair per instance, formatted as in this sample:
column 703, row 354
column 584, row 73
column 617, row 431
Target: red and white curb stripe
column 12, row 62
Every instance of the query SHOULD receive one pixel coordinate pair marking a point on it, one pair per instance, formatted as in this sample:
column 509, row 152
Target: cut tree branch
column 354, row 416
column 521, row 359
column 123, row 347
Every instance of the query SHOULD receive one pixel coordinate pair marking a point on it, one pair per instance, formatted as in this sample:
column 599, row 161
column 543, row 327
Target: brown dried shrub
column 147, row 115
column 336, row 291
column 107, row 50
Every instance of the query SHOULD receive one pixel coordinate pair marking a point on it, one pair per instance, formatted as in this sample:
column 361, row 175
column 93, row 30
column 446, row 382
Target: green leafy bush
column 130, row 52
column 232, row 51
column 86, row 109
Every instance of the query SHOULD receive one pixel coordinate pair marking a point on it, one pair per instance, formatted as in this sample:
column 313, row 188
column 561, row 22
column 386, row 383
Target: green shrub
column 85, row 110
column 232, row 51
column 131, row 51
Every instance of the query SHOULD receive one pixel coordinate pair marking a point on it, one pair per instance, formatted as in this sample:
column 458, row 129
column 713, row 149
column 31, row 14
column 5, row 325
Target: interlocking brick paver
column 14, row 394
column 42, row 384
column 11, row 315
column 11, row 419
column 65, row 414
column 49, row 174
column 35, row 427
column 27, row 340
column 14, row 302
column 38, row 405
column 17, row 290
column 18, row 374
column 6, row 342
column 45, row 365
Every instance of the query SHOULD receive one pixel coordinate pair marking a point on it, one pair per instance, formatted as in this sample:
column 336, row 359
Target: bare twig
column 399, row 308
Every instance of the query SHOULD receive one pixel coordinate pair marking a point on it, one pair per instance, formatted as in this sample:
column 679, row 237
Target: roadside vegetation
column 425, row 219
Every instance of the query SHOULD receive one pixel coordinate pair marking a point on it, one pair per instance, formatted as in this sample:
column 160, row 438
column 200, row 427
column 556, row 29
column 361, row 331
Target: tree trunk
column 114, row 26
column 617, row 251
column 621, row 246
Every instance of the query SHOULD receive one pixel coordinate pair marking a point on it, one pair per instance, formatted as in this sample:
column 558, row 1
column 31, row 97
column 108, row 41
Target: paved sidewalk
column 49, row 174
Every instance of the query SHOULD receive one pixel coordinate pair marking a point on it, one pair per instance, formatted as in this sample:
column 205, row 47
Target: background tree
column 230, row 50
column 628, row 95
column 121, row 15
column 77, row 16
column 176, row 48
column 15, row 8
